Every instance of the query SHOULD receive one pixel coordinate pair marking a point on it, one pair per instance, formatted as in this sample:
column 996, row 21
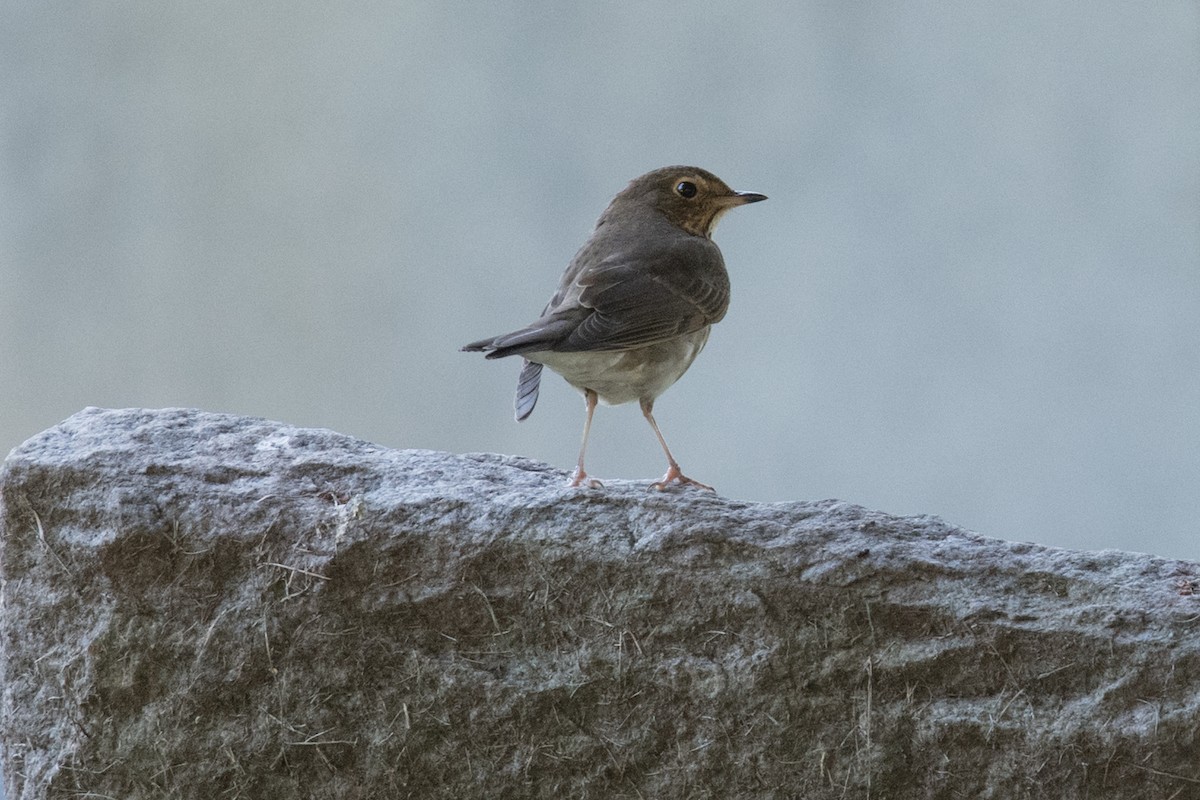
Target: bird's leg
column 579, row 477
column 674, row 474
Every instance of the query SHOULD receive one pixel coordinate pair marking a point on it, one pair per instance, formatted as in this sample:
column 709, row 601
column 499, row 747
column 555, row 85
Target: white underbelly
column 622, row 376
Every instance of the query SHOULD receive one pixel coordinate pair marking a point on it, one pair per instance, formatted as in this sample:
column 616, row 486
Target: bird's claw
column 674, row 475
column 580, row 478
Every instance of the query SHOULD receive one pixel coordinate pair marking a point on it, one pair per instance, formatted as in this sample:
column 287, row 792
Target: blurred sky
column 974, row 291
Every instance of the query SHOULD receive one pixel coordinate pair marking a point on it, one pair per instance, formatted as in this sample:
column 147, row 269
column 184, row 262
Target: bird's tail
column 482, row 346
column 527, row 389
column 545, row 334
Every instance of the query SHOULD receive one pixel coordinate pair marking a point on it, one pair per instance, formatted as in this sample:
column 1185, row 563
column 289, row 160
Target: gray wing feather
column 653, row 291
column 644, row 300
column 527, row 389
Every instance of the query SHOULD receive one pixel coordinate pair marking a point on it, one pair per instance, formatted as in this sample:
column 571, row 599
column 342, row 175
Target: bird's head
column 689, row 197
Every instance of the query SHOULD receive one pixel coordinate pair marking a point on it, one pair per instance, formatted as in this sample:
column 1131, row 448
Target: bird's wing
column 634, row 297
column 639, row 298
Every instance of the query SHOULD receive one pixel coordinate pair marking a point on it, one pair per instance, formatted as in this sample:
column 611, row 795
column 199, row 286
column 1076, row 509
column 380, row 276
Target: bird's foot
column 581, row 478
column 674, row 475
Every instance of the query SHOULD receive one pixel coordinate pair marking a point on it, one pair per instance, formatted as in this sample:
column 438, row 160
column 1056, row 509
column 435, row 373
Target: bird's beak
column 742, row 198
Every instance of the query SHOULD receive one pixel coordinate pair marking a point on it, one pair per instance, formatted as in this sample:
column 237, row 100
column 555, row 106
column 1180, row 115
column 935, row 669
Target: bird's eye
column 686, row 189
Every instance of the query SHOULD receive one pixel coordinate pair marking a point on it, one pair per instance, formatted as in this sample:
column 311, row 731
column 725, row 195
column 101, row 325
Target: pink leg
column 674, row 474
column 579, row 477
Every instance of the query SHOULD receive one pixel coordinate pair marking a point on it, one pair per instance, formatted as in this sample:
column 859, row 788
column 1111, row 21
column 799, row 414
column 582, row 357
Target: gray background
column 974, row 291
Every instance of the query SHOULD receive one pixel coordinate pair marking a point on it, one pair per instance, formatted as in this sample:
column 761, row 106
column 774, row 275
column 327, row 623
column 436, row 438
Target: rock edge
column 206, row 605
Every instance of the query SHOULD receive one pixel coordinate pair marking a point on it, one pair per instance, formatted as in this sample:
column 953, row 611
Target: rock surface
column 207, row 606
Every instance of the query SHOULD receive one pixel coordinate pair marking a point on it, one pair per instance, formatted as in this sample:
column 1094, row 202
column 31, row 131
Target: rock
column 199, row 605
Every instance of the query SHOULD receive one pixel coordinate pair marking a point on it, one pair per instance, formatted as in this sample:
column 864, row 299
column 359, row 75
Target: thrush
column 636, row 304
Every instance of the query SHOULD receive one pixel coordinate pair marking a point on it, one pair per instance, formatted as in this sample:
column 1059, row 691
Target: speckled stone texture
column 208, row 606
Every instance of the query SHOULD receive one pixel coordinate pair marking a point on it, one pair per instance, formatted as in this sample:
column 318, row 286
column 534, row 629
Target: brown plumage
column 634, row 307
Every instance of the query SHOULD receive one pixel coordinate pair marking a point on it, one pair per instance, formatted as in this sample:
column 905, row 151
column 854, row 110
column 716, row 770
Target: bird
column 635, row 305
